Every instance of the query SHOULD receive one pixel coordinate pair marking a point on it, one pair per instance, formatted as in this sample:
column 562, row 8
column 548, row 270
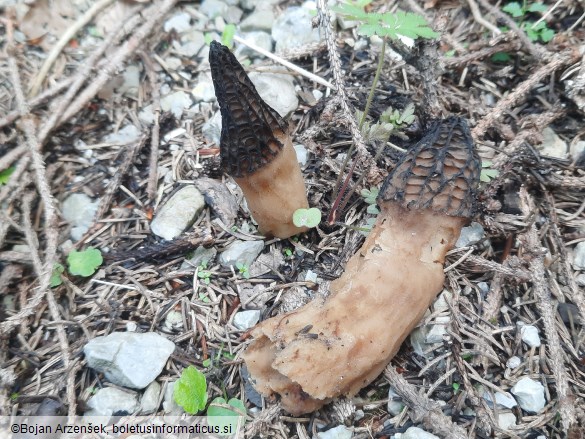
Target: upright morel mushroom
column 256, row 148
column 336, row 346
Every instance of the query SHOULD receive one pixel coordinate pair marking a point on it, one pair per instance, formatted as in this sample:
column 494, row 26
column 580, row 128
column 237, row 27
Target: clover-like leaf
column 307, row 217
column 223, row 417
column 84, row 263
column 190, row 391
column 514, row 9
column 56, row 280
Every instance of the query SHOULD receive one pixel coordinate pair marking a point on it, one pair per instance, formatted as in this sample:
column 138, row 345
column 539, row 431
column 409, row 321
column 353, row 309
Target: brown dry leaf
column 48, row 17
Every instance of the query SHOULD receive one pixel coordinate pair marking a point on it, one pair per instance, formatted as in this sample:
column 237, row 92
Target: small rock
column 204, row 90
column 146, row 115
column 506, row 420
column 395, row 405
column 438, row 330
column 266, row 262
column 131, row 78
column 173, row 63
column 552, row 145
column 244, row 320
column 513, row 362
column 213, row 8
column 129, row 359
column 178, row 213
column 79, row 211
column 442, row 301
column 149, row 400
column 302, row 154
column 244, row 252
column 219, row 198
column 260, row 19
column 311, row 276
column 211, row 129
column 174, row 320
column 417, row 341
column 577, row 149
column 233, row 15
column 317, row 94
column 191, row 43
column 176, row 103
column 110, row 400
column 339, row 432
column 569, row 312
column 180, row 22
column 530, row 336
column 200, row 255
column 124, row 136
column 581, row 280
column 252, row 4
column 579, row 256
column 293, row 29
column 277, row 90
column 259, row 38
column 470, row 235
column 529, row 394
column 169, row 405
column 254, row 296
column 483, row 287
column 504, row 400
column 417, row 433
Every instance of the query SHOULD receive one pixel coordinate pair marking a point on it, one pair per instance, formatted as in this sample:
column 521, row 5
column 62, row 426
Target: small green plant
column 56, row 280
column 287, row 251
column 307, row 217
column 502, row 57
column 488, row 174
column 5, row 175
column 190, row 391
column 243, row 270
column 370, row 196
column 84, row 263
column 227, row 36
column 223, row 414
column 456, row 387
column 534, row 30
column 203, row 273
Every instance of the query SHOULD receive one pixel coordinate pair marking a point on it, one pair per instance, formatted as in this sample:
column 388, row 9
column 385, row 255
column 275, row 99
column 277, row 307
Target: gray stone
column 577, row 149
column 417, row 340
column 259, row 38
column 504, row 400
column 110, row 400
column 266, row 263
column 252, row 4
column 233, row 15
column 178, row 213
column 438, row 330
column 260, row 19
column 552, row 145
column 529, row 394
column 395, row 405
column 221, row 201
column 191, row 43
column 149, row 400
column 530, row 335
column 277, row 90
column 79, row 211
column 169, row 405
column 180, row 22
column 470, row 235
column 176, row 103
column 417, row 433
column 506, row 420
column 213, row 8
column 442, row 301
column 146, row 115
column 339, row 432
column 173, row 63
column 302, row 154
column 483, row 287
column 200, row 255
column 244, row 320
column 513, row 362
column 129, row 359
column 124, row 136
column 293, row 29
column 204, row 90
column 131, row 78
column 211, row 129
column 244, row 252
column 311, row 276
column 579, row 256
column 581, row 280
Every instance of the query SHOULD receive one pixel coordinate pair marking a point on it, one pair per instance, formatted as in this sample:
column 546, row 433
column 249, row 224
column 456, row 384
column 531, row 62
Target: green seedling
column 56, row 280
column 535, row 31
column 227, row 36
column 84, row 263
column 243, row 270
column 5, row 175
column 287, row 252
column 307, row 217
column 487, row 174
column 190, row 391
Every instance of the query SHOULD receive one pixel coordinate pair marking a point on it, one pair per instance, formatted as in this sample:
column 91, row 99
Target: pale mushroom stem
column 256, row 148
column 338, row 345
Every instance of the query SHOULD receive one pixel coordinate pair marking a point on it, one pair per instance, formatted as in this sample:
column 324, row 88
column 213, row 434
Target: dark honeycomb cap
column 249, row 125
column 441, row 172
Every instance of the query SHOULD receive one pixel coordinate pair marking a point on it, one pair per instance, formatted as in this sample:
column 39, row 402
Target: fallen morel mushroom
column 256, row 148
column 337, row 345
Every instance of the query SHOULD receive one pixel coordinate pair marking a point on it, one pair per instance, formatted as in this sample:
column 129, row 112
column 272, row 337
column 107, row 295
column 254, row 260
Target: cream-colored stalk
column 256, row 148
column 338, row 345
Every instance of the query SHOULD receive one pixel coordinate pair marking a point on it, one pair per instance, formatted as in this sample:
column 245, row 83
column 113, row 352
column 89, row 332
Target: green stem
column 374, row 83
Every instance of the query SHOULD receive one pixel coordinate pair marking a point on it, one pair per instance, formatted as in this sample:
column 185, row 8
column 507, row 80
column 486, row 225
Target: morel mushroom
column 336, row 346
column 256, row 148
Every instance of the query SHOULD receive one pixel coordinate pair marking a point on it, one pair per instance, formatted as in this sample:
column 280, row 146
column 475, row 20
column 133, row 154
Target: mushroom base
column 338, row 345
column 275, row 191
